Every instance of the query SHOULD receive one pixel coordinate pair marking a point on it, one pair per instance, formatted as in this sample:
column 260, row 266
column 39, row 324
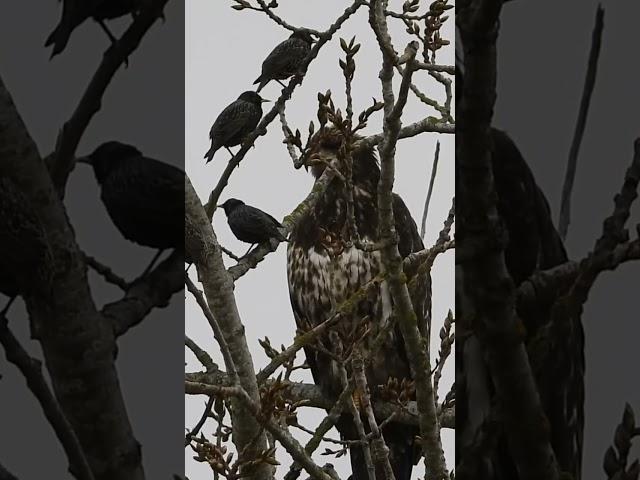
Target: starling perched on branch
column 235, row 122
column 75, row 12
column 250, row 224
column 284, row 60
column 144, row 197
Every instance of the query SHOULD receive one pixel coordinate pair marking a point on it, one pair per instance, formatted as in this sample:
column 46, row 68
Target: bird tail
column 402, row 453
column 211, row 152
column 262, row 82
column 59, row 37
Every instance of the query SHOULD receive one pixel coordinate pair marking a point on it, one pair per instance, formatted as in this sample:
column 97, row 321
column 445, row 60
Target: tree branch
column 485, row 277
column 589, row 83
column 202, row 247
column 314, row 398
column 434, row 170
column 259, row 253
column 403, row 308
column 282, row 435
column 62, row 161
column 64, row 318
column 153, row 291
column 261, row 129
column 426, row 125
column 31, row 370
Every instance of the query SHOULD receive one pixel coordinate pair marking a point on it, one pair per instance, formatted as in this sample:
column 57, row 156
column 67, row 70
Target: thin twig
column 265, row 8
column 314, row 398
column 203, row 418
column 434, row 169
column 62, row 161
column 107, row 273
column 572, row 165
column 286, row 94
column 418, row 358
column 377, row 442
column 217, row 331
column 286, row 131
column 203, row 357
column 31, row 369
column 357, row 421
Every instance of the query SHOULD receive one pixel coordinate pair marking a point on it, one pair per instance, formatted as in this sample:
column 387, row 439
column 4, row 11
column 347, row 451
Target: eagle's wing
column 556, row 357
column 409, row 241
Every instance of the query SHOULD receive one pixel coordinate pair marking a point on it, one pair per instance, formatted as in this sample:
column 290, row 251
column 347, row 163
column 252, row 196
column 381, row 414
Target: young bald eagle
column 325, row 268
column 533, row 244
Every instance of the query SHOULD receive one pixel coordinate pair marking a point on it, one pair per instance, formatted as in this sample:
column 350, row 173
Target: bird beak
column 86, row 160
column 264, row 100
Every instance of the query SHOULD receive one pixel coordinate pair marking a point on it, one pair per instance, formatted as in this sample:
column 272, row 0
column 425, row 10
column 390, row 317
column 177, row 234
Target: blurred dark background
column 542, row 59
column 143, row 106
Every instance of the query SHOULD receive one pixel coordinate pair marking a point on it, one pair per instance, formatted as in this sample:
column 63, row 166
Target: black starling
column 144, row 197
column 75, row 12
column 250, row 224
column 235, row 122
column 284, row 60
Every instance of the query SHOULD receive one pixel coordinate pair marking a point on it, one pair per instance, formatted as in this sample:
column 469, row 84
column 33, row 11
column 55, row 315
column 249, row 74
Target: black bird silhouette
column 235, row 122
column 144, row 197
column 250, row 224
column 76, row 12
column 284, row 60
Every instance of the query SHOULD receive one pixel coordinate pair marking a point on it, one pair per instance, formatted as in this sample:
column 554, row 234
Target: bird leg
column 188, row 267
column 112, row 37
column 283, row 85
column 153, row 262
column 250, row 248
column 7, row 306
column 230, row 152
column 107, row 31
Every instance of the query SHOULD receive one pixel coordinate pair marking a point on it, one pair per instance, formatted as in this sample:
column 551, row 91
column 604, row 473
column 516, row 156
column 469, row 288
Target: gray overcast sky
column 224, row 51
column 540, row 79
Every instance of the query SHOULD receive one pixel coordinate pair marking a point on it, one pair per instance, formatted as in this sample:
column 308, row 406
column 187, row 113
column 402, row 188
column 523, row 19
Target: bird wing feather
column 284, row 59
column 161, row 197
column 234, row 120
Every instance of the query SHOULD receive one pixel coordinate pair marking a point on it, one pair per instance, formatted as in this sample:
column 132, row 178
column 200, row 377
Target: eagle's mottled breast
column 325, row 268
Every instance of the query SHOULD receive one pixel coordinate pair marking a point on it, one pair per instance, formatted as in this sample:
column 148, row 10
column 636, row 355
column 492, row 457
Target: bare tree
column 252, row 412
column 496, row 303
column 41, row 261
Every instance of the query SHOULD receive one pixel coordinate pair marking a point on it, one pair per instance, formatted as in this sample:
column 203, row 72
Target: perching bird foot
column 152, row 264
column 6, row 308
column 248, row 251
